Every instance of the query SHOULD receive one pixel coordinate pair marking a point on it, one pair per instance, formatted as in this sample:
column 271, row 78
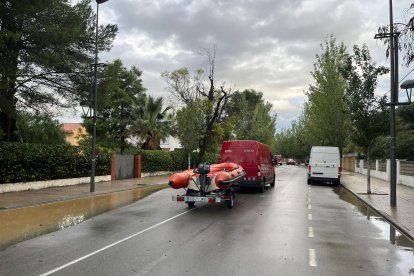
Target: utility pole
column 393, row 38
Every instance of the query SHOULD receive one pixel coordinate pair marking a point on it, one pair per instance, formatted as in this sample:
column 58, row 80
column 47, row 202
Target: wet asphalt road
column 292, row 229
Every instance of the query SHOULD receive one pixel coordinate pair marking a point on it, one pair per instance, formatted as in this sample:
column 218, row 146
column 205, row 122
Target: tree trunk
column 202, row 152
column 368, row 175
column 8, row 74
column 7, row 117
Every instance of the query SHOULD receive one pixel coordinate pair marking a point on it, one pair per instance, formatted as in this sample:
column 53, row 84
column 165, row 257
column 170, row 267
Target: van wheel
column 262, row 187
column 190, row 204
column 309, row 181
column 273, row 182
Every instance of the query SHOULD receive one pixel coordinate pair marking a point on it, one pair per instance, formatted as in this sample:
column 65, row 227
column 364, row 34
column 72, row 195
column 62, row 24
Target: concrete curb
column 36, row 185
column 390, row 220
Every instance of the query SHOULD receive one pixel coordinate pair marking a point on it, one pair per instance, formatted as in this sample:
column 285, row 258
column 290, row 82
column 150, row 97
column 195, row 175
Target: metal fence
column 382, row 165
column 372, row 165
column 407, row 168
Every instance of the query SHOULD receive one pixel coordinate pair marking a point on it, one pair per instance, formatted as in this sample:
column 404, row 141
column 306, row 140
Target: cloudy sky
column 266, row 45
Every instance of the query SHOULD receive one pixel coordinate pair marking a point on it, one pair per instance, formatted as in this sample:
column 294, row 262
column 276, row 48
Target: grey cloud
column 266, row 45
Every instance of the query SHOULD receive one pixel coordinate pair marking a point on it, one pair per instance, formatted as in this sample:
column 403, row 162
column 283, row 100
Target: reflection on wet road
column 25, row 223
column 388, row 231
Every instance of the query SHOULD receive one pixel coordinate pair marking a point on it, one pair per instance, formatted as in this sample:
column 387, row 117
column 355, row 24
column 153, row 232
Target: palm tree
column 154, row 123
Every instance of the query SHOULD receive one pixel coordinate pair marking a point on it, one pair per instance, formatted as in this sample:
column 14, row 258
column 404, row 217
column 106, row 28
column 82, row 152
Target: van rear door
column 325, row 162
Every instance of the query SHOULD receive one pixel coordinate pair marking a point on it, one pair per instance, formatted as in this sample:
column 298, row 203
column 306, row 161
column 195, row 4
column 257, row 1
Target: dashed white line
column 309, row 207
column 310, row 232
column 309, row 216
column 312, row 257
column 113, row 244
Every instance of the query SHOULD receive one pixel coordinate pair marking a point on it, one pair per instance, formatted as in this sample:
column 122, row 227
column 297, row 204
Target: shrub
column 179, row 160
column 35, row 162
column 212, row 157
column 155, row 160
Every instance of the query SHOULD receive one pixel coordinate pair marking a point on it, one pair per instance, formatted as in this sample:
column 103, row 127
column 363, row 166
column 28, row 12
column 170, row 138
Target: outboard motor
column 203, row 169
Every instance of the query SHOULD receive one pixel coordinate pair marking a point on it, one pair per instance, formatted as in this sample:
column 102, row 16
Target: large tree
column 189, row 125
column 190, row 89
column 290, row 143
column 325, row 118
column 406, row 36
column 251, row 117
column 369, row 115
column 45, row 47
column 119, row 92
column 153, row 122
column 39, row 129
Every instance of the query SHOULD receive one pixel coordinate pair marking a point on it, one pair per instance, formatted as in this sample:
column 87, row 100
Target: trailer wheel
column 230, row 203
column 190, row 204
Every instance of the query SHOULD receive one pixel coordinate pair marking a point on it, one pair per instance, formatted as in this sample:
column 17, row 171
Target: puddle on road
column 25, row 223
column 388, row 231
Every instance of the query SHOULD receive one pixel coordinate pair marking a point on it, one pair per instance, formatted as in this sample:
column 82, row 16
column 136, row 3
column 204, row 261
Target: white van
column 324, row 165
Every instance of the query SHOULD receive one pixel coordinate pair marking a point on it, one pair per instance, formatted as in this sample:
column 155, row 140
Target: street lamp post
column 393, row 40
column 95, row 102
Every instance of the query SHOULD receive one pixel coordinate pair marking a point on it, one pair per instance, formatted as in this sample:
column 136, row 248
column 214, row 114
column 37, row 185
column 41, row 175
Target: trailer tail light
column 180, row 198
column 211, row 200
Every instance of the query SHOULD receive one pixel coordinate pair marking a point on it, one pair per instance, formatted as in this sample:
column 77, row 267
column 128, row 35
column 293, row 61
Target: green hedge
column 34, row 162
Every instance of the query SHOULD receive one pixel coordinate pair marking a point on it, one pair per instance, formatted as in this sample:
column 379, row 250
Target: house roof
column 70, row 127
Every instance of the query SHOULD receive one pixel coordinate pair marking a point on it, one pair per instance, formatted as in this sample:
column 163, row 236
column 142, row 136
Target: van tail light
column 309, row 168
column 339, row 170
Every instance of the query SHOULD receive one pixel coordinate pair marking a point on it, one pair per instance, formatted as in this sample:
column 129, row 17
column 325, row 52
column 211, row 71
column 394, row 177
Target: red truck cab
column 256, row 160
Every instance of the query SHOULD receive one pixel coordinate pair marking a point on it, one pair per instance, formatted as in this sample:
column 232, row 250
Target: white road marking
column 115, row 243
column 310, row 232
column 309, row 200
column 309, row 207
column 312, row 257
column 309, row 216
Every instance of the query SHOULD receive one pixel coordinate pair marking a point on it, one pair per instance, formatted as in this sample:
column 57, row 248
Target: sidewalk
column 401, row 216
column 28, row 198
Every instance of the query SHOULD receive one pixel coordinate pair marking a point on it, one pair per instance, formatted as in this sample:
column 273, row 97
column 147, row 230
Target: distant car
column 279, row 159
column 291, row 162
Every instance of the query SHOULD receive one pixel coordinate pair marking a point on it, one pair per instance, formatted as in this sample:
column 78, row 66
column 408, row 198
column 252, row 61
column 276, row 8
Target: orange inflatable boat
column 220, row 176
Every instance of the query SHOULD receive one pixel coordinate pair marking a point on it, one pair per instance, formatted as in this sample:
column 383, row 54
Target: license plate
column 195, row 199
